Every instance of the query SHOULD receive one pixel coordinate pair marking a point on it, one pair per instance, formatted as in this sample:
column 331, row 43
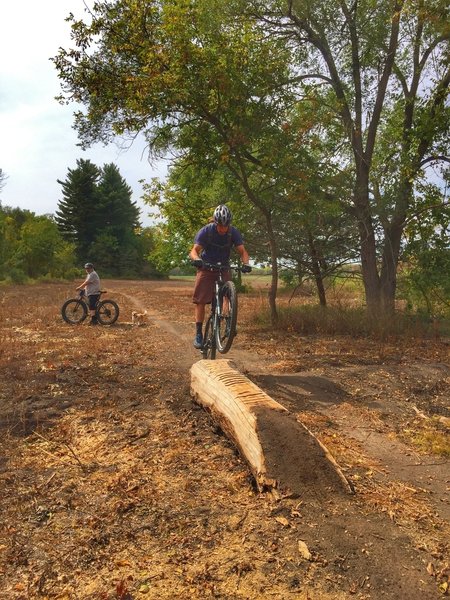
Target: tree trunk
column 274, row 262
column 369, row 268
column 317, row 271
column 391, row 250
column 280, row 451
column 388, row 277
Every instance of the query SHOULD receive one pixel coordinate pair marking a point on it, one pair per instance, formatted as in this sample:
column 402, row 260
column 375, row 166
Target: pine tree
column 77, row 214
column 119, row 218
column 98, row 215
column 120, row 214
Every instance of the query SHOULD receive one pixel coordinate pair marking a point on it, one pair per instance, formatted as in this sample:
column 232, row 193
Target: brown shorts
column 204, row 285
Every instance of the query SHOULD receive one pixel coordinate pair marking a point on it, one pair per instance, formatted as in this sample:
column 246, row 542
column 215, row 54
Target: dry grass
column 115, row 487
column 430, row 437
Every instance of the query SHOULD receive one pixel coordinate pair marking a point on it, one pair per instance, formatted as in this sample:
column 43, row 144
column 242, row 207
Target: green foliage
column 100, row 220
column 31, row 247
column 17, row 275
column 314, row 116
column 425, row 277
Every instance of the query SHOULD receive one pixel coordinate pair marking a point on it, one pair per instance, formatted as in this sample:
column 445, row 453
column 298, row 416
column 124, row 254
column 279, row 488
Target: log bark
column 281, row 452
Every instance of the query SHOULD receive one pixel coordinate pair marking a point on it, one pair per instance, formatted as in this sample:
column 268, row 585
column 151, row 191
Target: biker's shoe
column 93, row 321
column 198, row 342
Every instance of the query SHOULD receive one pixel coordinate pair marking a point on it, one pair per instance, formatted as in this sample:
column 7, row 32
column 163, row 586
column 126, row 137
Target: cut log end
column 280, row 451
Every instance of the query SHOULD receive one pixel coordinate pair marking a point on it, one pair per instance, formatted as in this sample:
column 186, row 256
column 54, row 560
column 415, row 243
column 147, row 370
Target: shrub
column 16, row 275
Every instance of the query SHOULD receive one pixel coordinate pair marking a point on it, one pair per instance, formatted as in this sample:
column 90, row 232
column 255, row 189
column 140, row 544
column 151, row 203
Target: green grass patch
column 428, row 440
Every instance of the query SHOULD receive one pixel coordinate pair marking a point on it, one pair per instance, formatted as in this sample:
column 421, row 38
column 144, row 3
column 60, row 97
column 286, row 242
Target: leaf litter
column 117, row 486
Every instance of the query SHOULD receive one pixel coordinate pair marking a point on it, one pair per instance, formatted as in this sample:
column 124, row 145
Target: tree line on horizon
column 96, row 221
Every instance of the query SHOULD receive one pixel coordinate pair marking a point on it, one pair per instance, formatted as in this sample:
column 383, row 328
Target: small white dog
column 138, row 318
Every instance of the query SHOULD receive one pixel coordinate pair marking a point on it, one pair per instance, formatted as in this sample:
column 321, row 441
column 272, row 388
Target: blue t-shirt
column 217, row 247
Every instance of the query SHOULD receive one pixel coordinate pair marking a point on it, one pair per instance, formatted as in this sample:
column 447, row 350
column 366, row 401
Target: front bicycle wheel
column 209, row 340
column 226, row 326
column 107, row 312
column 74, row 311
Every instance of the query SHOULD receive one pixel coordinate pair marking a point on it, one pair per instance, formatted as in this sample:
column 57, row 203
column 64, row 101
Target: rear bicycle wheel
column 209, row 340
column 107, row 312
column 226, row 326
column 74, row 311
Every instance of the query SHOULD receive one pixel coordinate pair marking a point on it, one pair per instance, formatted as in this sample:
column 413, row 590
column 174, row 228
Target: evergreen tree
column 77, row 214
column 98, row 215
column 119, row 218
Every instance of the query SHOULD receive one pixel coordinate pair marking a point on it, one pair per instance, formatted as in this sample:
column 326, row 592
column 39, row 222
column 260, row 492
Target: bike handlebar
column 83, row 292
column 220, row 267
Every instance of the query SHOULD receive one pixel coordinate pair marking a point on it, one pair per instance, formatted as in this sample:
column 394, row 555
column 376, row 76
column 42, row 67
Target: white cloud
column 38, row 143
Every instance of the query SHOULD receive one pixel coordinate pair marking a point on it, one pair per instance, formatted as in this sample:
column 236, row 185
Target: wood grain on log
column 280, row 451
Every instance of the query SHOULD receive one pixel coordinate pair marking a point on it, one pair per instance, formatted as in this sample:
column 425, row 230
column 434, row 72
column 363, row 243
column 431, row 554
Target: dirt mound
column 295, row 458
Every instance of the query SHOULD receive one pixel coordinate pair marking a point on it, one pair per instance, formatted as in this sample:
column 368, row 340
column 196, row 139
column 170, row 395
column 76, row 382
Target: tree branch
column 356, row 65
column 432, row 159
column 423, row 210
column 389, row 64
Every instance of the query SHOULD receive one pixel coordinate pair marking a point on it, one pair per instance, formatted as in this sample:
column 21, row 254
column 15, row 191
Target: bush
column 289, row 278
column 16, row 275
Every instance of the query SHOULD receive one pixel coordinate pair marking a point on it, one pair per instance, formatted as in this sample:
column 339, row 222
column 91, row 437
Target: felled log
column 281, row 452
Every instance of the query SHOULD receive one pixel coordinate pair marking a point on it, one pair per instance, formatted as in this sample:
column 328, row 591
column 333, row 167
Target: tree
column 118, row 219
column 425, row 273
column 40, row 245
column 3, row 178
column 216, row 82
column 387, row 66
column 99, row 217
column 77, row 215
column 194, row 77
column 32, row 246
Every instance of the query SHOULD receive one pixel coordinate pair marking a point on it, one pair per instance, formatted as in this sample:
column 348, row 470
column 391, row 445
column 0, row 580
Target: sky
column 37, row 141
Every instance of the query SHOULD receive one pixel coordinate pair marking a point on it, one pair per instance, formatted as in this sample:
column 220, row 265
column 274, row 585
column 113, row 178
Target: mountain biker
column 213, row 244
column 92, row 286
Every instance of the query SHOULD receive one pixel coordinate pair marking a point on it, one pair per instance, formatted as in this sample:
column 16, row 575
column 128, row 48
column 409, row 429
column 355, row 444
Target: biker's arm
column 243, row 254
column 82, row 286
column 195, row 252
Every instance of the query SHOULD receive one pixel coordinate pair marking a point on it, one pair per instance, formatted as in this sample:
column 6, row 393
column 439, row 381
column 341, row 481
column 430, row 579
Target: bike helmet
column 88, row 266
column 222, row 215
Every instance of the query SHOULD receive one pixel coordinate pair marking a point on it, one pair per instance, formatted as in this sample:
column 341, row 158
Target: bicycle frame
column 211, row 340
column 106, row 311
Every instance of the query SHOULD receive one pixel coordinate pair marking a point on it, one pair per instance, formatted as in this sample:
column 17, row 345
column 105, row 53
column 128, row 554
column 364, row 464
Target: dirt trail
column 296, row 390
column 115, row 486
column 391, row 460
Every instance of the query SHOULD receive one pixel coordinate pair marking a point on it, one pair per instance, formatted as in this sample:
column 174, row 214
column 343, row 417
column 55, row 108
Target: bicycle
column 75, row 310
column 220, row 329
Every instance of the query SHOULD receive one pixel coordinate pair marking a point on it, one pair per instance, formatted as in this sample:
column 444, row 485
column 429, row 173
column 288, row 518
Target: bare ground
column 116, row 486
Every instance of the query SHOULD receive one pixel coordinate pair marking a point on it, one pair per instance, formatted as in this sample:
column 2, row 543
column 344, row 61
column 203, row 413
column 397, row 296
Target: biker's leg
column 203, row 293
column 199, row 314
column 93, row 299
